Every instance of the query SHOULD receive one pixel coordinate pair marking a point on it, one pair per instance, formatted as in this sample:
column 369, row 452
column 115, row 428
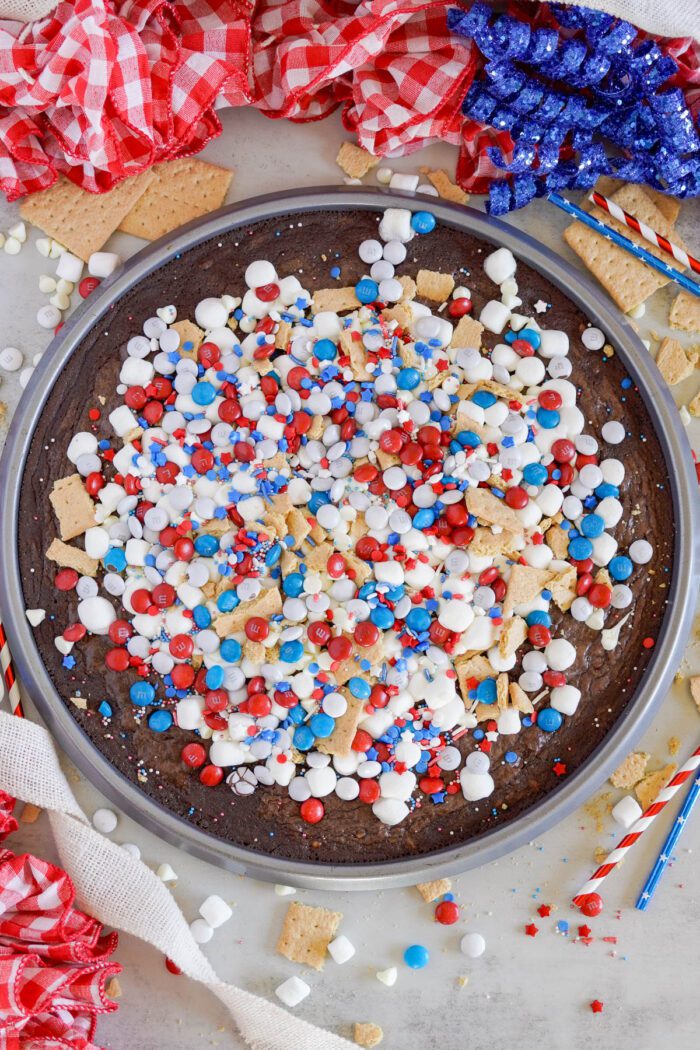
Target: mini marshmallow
column 102, row 264
column 395, row 225
column 292, row 991
column 400, row 181
column 341, row 949
column 70, row 267
column 627, row 811
column 494, row 316
column 500, row 265
column 215, row 911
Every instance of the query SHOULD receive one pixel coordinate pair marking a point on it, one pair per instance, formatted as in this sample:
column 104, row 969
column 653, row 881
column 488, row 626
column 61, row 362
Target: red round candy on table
column 172, row 967
column 431, row 785
column 168, row 536
column 539, row 635
column 296, row 376
column 411, row 454
column 120, row 632
column 499, row 588
column 167, row 473
column 366, row 547
column 256, row 684
column 487, row 577
column 75, row 632
column 340, row 647
column 182, row 675
column 550, row 399
column 460, row 307
column 211, row 776
column 215, row 721
column 286, row 700
column 66, row 579
column 312, row 810
column 257, row 629
column 208, row 354
column 429, row 436
column 319, row 632
column 462, row 536
column 438, row 633
column 600, row 595
column 366, row 634
column 202, row 460
column 365, row 473
column 94, row 482
column 563, row 450
column 369, row 791
column 184, row 549
column 554, row 678
column 584, row 584
column 447, row 913
column 517, row 498
column 267, row 293
column 88, row 285
column 336, row 566
column 153, row 412
column 161, row 388
column 135, row 398
column 117, row 659
column 141, row 600
column 181, row 646
column 391, row 441
column 362, row 741
column 163, row 595
column 592, row 905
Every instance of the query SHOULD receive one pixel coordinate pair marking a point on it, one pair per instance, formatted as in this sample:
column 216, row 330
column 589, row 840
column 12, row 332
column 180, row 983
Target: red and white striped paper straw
column 8, row 672
column 645, row 231
column 638, row 828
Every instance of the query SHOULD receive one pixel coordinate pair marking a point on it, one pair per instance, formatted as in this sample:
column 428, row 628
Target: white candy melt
column 388, row 977
column 35, row 616
column 104, row 821
column 476, row 786
column 165, row 873
column 390, row 811
column 70, row 267
column 292, row 991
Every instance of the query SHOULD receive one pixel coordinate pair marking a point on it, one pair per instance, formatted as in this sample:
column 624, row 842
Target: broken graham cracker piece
column 352, row 346
column 629, row 772
column 519, row 699
column 367, row 1034
column 467, row 335
column 430, row 891
column 298, row 526
column 563, row 586
column 180, row 191
column 467, row 667
column 306, row 934
column 267, row 604
column 674, row 362
column 355, row 161
column 489, row 544
column 340, row 740
column 83, row 222
column 694, row 405
column 628, row 280
column 524, row 585
column 189, row 332
column 72, row 558
column 502, row 690
column 695, row 690
column 487, row 507
column 347, row 669
column 72, row 506
column 685, row 312
column 113, row 989
column 335, row 300
column 513, row 635
column 649, row 786
column 434, row 286
column 448, row 190
column 30, row 813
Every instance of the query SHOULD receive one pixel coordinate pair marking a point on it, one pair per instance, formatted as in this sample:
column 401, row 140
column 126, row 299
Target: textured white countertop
column 534, row 993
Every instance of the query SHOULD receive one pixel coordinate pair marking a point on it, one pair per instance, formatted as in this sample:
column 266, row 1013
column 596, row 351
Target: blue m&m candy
column 382, row 617
column 549, row 720
column 418, row 620
column 580, row 548
column 227, row 601
column 535, row 474
column 592, row 525
column 215, row 677
column 293, row 584
column 206, row 545
column 290, row 652
column 160, row 720
column 367, row 290
column 230, row 651
column 325, row 350
column 303, row 737
column 408, row 378
column 416, row 956
column 359, row 688
column 142, row 694
column 203, row 393
column 423, row 222
column 321, row 725
column 115, row 560
column 620, row 567
column 548, row 418
column 201, row 616
column 486, row 691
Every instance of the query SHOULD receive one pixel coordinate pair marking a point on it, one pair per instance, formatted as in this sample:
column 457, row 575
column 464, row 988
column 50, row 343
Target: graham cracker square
column 181, row 190
column 83, row 222
column 434, row 285
column 306, row 934
column 336, row 300
column 72, row 506
column 467, row 334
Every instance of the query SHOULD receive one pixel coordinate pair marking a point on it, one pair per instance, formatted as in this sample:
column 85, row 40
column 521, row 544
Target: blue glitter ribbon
column 565, row 95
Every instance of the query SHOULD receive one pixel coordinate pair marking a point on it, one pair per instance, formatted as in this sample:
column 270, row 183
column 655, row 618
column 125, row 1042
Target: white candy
column 641, row 552
column 132, row 849
column 123, row 420
column 96, row 614
column 12, row 246
column 70, row 267
column 390, row 290
column 35, row 616
column 494, row 316
column 370, row 251
column 613, row 432
column 211, row 313
column 554, row 343
column 560, row 654
column 388, row 977
column 390, row 811
column 627, row 811
column 593, row 339
column 394, row 252
column 284, row 891
column 456, row 615
column 48, row 316
column 384, row 175
column 476, row 786
column 500, row 265
column 472, row 945
column 400, row 181
column 621, row 596
column 292, row 991
column 102, row 264
column 341, row 949
column 215, row 911
column 201, row 931
column 321, row 782
column 104, row 821
column 565, row 698
column 395, row 225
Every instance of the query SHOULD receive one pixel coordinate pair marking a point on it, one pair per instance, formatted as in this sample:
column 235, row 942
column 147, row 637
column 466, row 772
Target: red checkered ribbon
column 54, row 960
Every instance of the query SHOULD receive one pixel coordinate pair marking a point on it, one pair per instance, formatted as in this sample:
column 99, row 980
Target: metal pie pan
column 494, row 843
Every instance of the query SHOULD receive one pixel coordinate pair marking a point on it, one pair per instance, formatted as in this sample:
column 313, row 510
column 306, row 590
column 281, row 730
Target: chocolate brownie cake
column 345, row 537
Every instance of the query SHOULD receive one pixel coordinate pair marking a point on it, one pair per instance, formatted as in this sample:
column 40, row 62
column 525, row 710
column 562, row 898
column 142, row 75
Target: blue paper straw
column 624, row 242
column 667, row 848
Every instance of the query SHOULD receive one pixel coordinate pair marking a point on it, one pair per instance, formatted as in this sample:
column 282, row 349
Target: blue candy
column 142, row 694
column 620, row 567
column 548, row 418
column 290, row 652
column 203, row 393
column 105, row 709
column 468, row 439
column 325, row 350
column 321, row 725
column 580, row 548
column 318, row 499
column 416, row 956
column 160, row 720
column 538, row 616
column 530, row 336
column 227, row 601
column 486, row 691
column 230, row 651
column 535, row 474
column 215, row 677
column 201, row 616
column 367, row 290
column 297, row 715
column 423, row 222
column 418, row 620
column 424, row 518
column 206, row 545
column 606, row 490
column 408, row 378
column 484, row 398
column 359, row 688
column 382, row 617
column 592, row 525
column 293, row 584
column 303, row 737
column 273, row 555
column 549, row 720
column 115, row 559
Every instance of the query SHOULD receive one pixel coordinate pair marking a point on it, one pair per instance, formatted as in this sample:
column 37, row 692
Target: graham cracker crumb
column 30, row 813
column 367, row 1034
column 674, row 745
column 267, row 604
column 306, row 934
column 598, row 809
column 467, row 334
column 340, row 740
column 430, row 891
column 113, row 989
column 685, row 312
column 433, row 285
column 447, row 189
column 695, row 689
column 335, row 300
column 72, row 558
column 355, row 161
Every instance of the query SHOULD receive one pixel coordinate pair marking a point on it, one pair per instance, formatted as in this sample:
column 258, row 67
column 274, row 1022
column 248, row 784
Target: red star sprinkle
column 531, row 930
column 544, row 910
column 559, row 769
column 584, row 931
column 597, row 1006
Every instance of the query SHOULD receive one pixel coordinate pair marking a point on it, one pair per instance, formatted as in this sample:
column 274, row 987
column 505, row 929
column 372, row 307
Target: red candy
column 88, row 285
column 340, row 647
column 592, row 905
column 141, row 600
column 66, row 579
column 117, row 659
column 550, row 399
column 517, row 498
column 563, row 450
column 369, row 791
column 600, row 595
column 163, row 595
column 460, row 307
column 267, row 293
column 181, row 646
column 75, row 632
column 366, row 634
column 211, row 776
column 336, row 566
column 447, row 913
column 319, row 632
column 193, row 755
column 312, row 810
column 539, row 635
column 183, row 676
column 257, row 629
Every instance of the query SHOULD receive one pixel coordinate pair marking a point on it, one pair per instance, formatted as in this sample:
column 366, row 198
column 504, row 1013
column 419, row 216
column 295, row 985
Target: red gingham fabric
column 54, row 960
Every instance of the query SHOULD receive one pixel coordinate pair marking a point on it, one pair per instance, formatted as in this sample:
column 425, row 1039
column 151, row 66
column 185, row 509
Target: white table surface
column 522, row 991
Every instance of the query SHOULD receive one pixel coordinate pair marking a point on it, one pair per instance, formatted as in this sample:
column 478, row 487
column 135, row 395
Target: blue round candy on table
column 359, row 688
column 142, row 693
column 424, row 518
column 318, row 499
column 484, row 398
column 382, row 617
column 620, row 567
column 592, row 525
column 538, row 616
column 230, row 651
column 201, row 616
column 160, row 720
column 548, row 418
column 325, row 350
column 227, row 601
column 203, row 393
column 408, row 378
column 580, row 548
column 535, row 474
column 486, row 691
column 273, row 555
column 115, row 560
column 303, row 738
column 293, row 584
column 321, row 725
column 468, row 439
column 549, row 720
column 206, row 545
column 215, row 677
column 367, row 290
column 422, row 222
column 530, row 336
column 416, row 956
column 290, row 652
column 418, row 620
